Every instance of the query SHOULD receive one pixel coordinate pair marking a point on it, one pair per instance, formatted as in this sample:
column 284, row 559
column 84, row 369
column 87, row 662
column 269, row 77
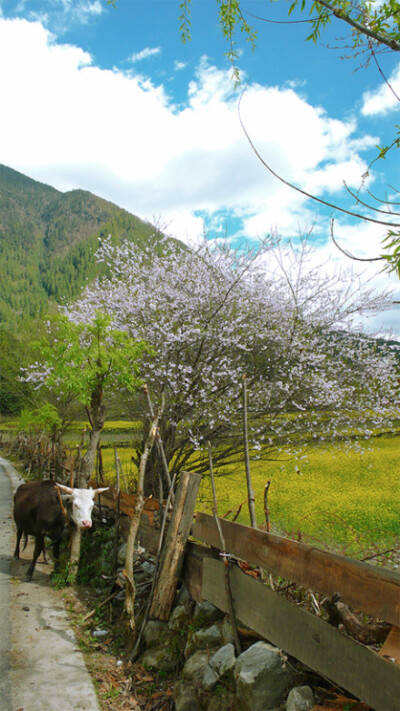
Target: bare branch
column 348, row 254
column 300, row 190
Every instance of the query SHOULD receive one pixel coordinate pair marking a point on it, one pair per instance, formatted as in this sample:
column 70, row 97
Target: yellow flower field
column 346, row 497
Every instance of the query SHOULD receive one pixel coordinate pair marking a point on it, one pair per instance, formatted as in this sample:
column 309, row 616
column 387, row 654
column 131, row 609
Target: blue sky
column 110, row 100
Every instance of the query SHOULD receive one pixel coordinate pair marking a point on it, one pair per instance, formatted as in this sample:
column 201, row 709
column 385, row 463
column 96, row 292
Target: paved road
column 41, row 666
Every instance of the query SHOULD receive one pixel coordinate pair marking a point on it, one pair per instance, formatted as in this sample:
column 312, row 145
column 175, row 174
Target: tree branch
column 363, row 29
column 300, row 190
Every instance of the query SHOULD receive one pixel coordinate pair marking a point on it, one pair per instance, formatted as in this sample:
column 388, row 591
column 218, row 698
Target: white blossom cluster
column 213, row 315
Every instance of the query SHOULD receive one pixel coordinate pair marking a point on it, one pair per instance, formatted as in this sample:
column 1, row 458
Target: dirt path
column 41, row 667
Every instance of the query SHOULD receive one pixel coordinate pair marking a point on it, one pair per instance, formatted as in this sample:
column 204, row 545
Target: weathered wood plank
column 127, row 503
column 192, row 571
column 174, row 545
column 362, row 586
column 391, row 648
column 309, row 639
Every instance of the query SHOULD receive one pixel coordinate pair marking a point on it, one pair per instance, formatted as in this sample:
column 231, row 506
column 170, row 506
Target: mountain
column 47, row 243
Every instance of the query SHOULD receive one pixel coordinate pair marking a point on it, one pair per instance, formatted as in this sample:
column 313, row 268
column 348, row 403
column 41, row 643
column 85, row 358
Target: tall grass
column 348, row 497
column 336, row 495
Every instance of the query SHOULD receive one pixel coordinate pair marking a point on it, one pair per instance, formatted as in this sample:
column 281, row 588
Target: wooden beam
column 174, row 545
column 364, row 587
column 192, row 572
column 391, row 647
column 306, row 637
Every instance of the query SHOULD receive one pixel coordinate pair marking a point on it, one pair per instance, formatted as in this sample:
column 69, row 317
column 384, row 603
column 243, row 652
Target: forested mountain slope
column 47, row 243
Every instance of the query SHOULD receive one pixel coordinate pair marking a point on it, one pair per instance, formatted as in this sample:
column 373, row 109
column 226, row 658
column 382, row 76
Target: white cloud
column 383, row 99
column 73, row 125
column 145, row 54
column 60, row 15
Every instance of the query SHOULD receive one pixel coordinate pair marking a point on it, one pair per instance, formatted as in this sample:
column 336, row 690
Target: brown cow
column 38, row 512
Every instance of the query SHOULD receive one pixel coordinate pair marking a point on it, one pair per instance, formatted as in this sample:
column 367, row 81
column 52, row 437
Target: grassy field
column 339, row 496
column 349, row 498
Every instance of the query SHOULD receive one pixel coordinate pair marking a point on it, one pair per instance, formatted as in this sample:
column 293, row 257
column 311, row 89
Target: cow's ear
column 100, row 491
column 65, row 489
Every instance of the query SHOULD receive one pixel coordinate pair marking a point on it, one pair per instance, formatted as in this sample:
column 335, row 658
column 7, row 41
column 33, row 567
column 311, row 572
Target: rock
column 148, row 568
column 301, row 698
column 226, row 701
column 227, row 631
column 224, row 660
column 262, row 679
column 208, row 637
column 121, row 554
column 154, row 633
column 210, row 678
column 179, row 618
column 159, row 658
column 185, row 697
column 195, row 665
column 100, row 633
column 184, row 597
column 204, row 639
column 205, row 612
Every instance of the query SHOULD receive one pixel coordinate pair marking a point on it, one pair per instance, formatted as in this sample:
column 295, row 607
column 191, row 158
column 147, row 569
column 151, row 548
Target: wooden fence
column 374, row 678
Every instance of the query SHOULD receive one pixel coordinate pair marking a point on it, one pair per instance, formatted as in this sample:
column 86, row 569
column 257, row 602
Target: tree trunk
column 133, row 529
column 174, row 546
column 89, row 459
column 74, row 554
column 96, row 414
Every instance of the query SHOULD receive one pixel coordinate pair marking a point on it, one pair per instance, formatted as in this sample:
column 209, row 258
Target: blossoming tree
column 213, row 314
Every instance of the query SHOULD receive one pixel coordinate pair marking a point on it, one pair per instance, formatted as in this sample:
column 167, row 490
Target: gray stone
column 195, row 665
column 159, row 658
column 301, row 698
column 154, row 633
column 205, row 612
column 206, row 638
column 224, row 660
column 226, row 701
column 185, row 697
column 262, row 678
column 184, row 597
column 148, row 568
column 210, row 678
column 179, row 618
column 227, row 631
column 122, row 554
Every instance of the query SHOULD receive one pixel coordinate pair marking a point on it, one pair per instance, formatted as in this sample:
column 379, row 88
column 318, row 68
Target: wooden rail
column 374, row 678
column 362, row 586
column 306, row 637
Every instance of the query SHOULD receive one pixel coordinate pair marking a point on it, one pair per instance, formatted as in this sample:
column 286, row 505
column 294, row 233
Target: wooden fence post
column 174, row 546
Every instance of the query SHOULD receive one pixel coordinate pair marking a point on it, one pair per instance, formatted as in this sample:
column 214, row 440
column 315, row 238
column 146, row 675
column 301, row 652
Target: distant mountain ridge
column 47, row 243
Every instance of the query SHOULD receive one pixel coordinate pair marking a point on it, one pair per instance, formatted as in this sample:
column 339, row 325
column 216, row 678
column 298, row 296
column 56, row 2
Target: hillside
column 47, row 243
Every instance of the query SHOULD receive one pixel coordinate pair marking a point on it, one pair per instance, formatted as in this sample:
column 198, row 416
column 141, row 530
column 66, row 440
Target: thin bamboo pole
column 250, row 492
column 224, row 556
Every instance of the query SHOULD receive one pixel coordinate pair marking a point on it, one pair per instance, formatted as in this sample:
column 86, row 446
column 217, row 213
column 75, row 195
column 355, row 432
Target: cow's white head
column 82, row 504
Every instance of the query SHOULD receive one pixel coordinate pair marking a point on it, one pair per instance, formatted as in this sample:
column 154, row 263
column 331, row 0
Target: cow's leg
column 44, row 551
column 39, row 538
column 19, row 536
column 56, row 552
